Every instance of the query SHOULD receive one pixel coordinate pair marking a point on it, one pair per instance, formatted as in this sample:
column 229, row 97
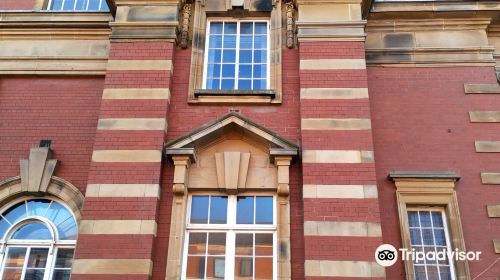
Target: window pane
column 260, row 28
column 197, row 243
column 244, row 244
column 432, row 272
column 243, row 268
column 263, row 244
column 215, row 41
column 56, row 5
column 230, row 28
column 64, row 257
column 260, row 71
column 260, row 56
column 38, row 207
column 415, row 237
column 94, row 5
column 425, row 219
column 81, row 5
column 246, row 42
column 413, row 219
column 260, row 42
column 68, row 229
column 227, row 84
column 263, row 268
column 4, row 225
column 216, row 267
column 213, row 70
column 12, row 274
column 246, row 28
column 216, row 243
column 34, row 230
column 229, row 42
column 38, row 257
column 260, row 84
column 437, row 219
column 213, row 84
column 195, row 267
column 229, row 56
column 244, row 210
column 245, row 56
column 57, row 213
column 61, row 274
column 199, row 210
column 69, row 5
column 427, row 237
column 420, row 273
column 245, row 84
column 15, row 257
column 214, row 56
column 228, row 70
column 218, row 209
column 445, row 272
column 245, row 71
column 264, row 210
column 216, row 28
column 16, row 213
column 439, row 237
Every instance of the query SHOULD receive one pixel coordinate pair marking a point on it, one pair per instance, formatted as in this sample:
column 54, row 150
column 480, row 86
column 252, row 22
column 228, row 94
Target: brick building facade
column 248, row 139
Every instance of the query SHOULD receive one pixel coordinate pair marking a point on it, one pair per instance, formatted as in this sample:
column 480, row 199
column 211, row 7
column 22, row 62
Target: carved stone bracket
column 37, row 171
column 232, row 170
column 184, row 28
column 290, row 28
column 283, row 164
column 181, row 163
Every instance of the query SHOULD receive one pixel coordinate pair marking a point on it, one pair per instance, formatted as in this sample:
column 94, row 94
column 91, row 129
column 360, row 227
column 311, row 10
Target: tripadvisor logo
column 387, row 255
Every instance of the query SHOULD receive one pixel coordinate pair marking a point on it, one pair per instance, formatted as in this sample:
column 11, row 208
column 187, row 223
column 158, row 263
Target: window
column 38, row 240
column 429, row 232
column 237, row 56
column 78, row 5
column 230, row 237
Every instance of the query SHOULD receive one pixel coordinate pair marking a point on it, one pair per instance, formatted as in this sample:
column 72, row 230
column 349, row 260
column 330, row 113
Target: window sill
column 233, row 96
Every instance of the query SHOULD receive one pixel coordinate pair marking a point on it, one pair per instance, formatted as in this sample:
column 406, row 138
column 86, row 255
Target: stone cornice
column 54, row 25
column 335, row 30
column 435, row 6
column 424, row 24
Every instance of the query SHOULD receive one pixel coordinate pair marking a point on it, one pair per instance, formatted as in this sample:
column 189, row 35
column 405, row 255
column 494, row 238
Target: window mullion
column 25, row 264
column 223, row 36
column 230, row 254
column 237, row 62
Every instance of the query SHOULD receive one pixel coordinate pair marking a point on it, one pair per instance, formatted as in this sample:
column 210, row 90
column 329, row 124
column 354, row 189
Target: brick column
column 118, row 227
column 341, row 210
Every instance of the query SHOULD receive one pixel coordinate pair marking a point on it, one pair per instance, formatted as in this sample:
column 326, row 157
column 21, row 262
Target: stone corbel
column 283, row 164
column 184, row 28
column 37, row 171
column 232, row 171
column 181, row 163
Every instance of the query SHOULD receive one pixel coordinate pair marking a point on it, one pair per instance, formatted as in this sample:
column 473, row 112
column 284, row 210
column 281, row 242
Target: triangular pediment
column 234, row 122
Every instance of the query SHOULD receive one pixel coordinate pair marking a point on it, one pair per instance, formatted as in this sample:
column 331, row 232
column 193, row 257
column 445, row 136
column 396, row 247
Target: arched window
column 38, row 238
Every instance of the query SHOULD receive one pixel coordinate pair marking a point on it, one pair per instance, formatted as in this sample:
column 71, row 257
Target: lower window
column 429, row 233
column 230, row 237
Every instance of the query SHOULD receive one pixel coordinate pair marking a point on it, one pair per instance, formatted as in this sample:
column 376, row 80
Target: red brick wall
column 283, row 119
column 17, row 4
column 63, row 109
column 420, row 122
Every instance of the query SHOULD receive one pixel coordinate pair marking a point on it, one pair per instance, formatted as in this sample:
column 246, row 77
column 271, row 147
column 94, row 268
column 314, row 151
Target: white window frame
column 49, row 6
column 53, row 245
column 237, row 62
column 231, row 228
column 446, row 233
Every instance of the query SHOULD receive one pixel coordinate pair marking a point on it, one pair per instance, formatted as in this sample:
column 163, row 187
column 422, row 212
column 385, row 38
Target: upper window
column 78, row 5
column 38, row 237
column 237, row 56
column 230, row 237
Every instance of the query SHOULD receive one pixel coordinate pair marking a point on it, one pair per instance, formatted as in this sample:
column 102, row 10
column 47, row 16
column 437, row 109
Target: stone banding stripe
column 340, row 191
column 490, row 178
column 123, row 190
column 496, row 245
column 117, row 227
column 493, row 211
column 337, row 156
column 329, row 228
column 126, row 156
column 332, row 64
column 140, row 65
column 326, row 268
column 485, row 116
column 136, row 93
column 132, row 124
column 487, row 146
column 335, row 124
column 112, row 266
column 492, row 88
column 333, row 93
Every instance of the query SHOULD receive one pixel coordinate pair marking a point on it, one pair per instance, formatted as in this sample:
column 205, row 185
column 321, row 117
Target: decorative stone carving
column 232, row 170
column 498, row 76
column 290, row 33
column 181, row 163
column 37, row 171
column 184, row 33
